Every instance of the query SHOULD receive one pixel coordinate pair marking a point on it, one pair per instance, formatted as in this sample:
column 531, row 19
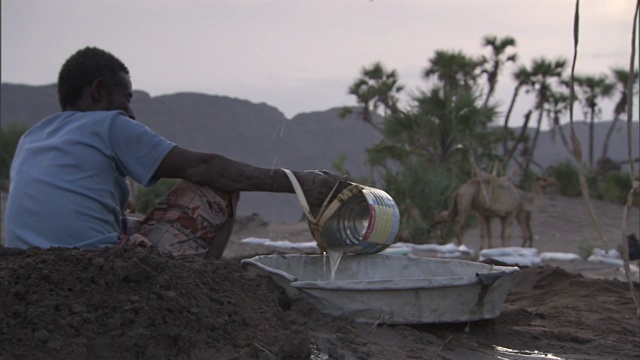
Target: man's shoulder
column 81, row 117
column 74, row 124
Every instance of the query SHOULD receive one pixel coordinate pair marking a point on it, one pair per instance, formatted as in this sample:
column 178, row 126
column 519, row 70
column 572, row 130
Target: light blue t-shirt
column 68, row 178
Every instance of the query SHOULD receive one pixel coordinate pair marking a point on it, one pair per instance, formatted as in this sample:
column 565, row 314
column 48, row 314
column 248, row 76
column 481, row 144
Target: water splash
column 524, row 354
column 334, row 259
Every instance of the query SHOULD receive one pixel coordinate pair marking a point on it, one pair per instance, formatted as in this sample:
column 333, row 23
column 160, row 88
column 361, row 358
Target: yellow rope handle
column 325, row 212
column 329, row 209
column 299, row 194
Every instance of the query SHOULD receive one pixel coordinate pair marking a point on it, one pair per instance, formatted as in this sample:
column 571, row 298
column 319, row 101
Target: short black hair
column 82, row 69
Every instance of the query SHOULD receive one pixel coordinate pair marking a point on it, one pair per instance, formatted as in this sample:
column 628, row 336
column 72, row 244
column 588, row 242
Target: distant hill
column 261, row 135
column 550, row 150
column 258, row 134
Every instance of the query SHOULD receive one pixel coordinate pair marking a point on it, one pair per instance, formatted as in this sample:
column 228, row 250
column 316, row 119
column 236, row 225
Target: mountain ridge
column 261, row 135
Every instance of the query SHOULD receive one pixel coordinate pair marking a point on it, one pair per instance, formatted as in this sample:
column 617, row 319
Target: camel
column 490, row 197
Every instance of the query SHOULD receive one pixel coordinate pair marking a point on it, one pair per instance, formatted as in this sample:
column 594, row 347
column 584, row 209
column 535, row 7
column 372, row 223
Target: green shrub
column 593, row 182
column 8, row 143
column 585, row 249
column 420, row 190
column 567, row 175
column 529, row 179
column 148, row 197
column 615, row 188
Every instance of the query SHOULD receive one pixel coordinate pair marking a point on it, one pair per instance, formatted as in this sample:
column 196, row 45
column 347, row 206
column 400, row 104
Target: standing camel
column 490, row 197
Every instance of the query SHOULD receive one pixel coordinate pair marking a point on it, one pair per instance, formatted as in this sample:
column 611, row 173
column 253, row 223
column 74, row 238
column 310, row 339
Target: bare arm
column 225, row 174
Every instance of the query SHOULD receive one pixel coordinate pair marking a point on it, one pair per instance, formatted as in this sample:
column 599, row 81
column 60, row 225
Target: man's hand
column 317, row 185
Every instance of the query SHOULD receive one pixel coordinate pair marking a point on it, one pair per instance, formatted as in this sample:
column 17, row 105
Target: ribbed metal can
column 360, row 220
column 355, row 219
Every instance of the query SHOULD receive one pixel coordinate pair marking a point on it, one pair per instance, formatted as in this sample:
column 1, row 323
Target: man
column 68, row 176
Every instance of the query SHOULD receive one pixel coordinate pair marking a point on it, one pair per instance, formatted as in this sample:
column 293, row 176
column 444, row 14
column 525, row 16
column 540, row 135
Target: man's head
column 93, row 79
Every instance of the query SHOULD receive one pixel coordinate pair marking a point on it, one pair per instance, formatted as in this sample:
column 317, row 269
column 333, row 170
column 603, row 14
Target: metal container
column 356, row 219
column 391, row 289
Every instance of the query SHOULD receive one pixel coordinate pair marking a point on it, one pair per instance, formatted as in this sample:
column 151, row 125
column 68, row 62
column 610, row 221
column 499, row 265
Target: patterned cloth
column 184, row 222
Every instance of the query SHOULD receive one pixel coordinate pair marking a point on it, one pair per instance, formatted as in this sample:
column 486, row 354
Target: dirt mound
column 118, row 303
column 554, row 311
column 136, row 304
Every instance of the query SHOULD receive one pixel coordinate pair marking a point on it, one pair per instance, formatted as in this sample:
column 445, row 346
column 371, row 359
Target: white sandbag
column 254, row 240
column 612, row 253
column 605, row 259
column 545, row 256
column 508, row 251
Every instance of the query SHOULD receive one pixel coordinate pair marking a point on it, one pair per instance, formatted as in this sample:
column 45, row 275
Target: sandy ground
column 138, row 304
column 555, row 311
column 561, row 224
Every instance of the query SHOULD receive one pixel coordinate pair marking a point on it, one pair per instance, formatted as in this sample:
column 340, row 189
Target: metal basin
column 391, row 289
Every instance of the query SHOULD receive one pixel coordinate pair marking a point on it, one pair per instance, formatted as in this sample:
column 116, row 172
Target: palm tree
column 375, row 90
column 498, row 59
column 519, row 139
column 558, row 104
column 454, row 70
column 592, row 88
column 542, row 72
column 621, row 76
column 424, row 134
column 446, row 125
column 453, row 102
column 438, row 119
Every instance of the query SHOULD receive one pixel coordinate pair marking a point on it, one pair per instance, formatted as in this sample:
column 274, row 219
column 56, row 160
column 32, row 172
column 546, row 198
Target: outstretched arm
column 225, row 174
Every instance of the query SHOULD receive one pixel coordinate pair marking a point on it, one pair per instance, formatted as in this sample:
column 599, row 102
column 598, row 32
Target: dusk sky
column 301, row 55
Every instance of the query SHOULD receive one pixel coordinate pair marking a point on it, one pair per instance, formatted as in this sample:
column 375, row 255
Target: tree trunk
column 506, row 119
column 563, row 137
column 591, row 129
column 523, row 130
column 532, row 150
column 607, row 138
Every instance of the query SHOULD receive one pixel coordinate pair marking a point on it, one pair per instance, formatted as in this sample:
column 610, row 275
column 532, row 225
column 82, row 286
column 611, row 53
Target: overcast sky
column 299, row 55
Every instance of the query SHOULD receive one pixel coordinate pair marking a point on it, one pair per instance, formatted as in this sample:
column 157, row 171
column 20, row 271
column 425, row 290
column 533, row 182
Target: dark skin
column 209, row 169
